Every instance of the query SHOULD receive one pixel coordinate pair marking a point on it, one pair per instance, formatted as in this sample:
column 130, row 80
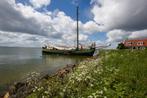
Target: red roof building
column 135, row 44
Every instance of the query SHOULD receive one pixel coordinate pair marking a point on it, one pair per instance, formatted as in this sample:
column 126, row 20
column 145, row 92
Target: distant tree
column 121, row 46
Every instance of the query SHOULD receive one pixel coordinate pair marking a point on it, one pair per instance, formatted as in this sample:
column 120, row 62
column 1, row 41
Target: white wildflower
column 90, row 96
column 105, row 96
column 91, row 85
column 105, row 89
column 46, row 92
column 101, row 92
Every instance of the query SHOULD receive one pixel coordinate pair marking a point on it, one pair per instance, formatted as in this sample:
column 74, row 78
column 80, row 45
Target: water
column 16, row 63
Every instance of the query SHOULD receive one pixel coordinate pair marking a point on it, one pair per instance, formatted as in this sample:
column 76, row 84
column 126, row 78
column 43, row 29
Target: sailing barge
column 77, row 51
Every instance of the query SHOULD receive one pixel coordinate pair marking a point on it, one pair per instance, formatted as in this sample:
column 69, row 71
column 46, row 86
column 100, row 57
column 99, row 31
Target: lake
column 16, row 63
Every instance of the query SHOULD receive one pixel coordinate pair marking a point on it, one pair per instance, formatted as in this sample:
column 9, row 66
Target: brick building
column 136, row 43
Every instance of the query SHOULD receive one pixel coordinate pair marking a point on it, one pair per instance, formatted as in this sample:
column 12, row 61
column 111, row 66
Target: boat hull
column 84, row 52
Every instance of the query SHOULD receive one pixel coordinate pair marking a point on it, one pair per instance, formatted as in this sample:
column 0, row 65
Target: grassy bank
column 114, row 74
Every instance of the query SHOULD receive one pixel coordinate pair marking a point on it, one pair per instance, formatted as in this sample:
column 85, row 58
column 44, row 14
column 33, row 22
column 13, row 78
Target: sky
column 33, row 23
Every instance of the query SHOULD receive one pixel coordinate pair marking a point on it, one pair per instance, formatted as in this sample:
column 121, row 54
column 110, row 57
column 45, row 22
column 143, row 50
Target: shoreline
column 16, row 89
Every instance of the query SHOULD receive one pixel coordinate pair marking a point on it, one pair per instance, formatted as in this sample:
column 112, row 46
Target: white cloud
column 75, row 2
column 24, row 19
column 56, row 25
column 40, row 3
column 18, row 39
column 120, row 14
column 117, row 35
column 138, row 34
column 90, row 27
column 120, row 35
column 72, row 37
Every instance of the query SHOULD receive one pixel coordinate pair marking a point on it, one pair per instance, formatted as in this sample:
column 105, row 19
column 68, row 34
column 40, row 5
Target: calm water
column 16, row 63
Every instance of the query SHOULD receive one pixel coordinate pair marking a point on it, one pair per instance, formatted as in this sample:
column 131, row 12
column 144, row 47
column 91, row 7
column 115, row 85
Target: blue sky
column 69, row 8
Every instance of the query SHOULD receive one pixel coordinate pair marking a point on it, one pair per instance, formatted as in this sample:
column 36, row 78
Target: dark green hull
column 84, row 52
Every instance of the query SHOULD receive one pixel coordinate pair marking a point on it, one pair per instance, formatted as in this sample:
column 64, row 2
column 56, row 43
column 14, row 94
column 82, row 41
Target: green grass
column 114, row 74
column 133, row 70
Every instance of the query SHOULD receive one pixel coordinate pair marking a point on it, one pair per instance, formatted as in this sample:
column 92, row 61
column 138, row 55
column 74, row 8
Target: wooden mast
column 77, row 27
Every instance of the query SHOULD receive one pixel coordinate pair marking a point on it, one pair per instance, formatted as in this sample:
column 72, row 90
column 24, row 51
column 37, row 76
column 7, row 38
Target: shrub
column 121, row 46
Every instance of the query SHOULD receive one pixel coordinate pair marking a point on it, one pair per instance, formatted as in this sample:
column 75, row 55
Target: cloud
column 72, row 37
column 75, row 2
column 40, row 3
column 25, row 20
column 138, row 34
column 127, row 15
column 120, row 35
column 21, row 39
column 117, row 35
column 90, row 27
column 20, row 18
column 18, row 39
